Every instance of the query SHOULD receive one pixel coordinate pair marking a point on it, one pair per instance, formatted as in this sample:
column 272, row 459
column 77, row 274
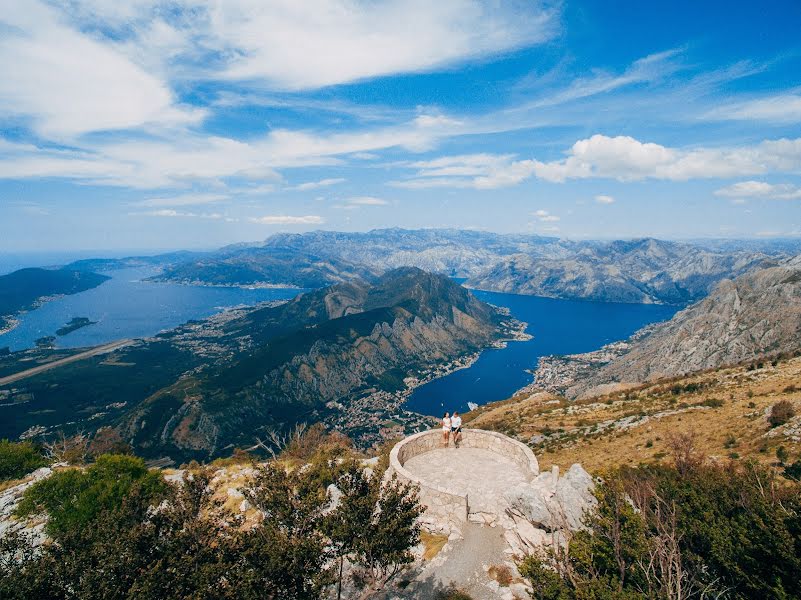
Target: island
column 75, row 324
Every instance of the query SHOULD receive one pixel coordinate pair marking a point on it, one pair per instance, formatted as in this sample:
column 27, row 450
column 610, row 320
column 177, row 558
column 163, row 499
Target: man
column 456, row 428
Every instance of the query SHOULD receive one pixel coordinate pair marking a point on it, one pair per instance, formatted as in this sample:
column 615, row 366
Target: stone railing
column 444, row 503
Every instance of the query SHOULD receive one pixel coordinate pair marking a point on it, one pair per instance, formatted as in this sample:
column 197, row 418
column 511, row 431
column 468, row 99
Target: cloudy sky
column 195, row 123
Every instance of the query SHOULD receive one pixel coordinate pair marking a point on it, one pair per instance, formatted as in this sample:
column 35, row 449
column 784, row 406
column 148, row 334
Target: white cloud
column 361, row 201
column 345, row 40
column 627, row 159
column 183, row 157
column 68, row 83
column 760, row 189
column 478, row 171
column 183, row 200
column 367, row 201
column 781, row 108
column 544, row 216
column 170, row 212
column 604, row 199
column 313, row 185
column 288, row 220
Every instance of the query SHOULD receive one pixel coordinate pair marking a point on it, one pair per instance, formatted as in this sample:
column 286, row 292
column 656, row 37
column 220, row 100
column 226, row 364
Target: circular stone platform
column 471, row 479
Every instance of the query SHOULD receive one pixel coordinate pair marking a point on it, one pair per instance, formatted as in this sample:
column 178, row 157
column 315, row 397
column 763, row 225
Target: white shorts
column 446, row 430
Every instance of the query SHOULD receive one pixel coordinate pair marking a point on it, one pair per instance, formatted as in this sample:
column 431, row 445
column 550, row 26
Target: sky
column 197, row 123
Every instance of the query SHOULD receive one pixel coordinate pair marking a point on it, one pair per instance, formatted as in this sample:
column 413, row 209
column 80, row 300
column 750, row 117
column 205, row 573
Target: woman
column 446, row 429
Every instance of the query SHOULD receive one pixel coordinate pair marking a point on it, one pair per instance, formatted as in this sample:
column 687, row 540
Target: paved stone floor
column 482, row 474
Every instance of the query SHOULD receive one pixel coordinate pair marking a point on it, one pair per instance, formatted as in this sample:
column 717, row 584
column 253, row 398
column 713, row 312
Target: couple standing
column 451, row 426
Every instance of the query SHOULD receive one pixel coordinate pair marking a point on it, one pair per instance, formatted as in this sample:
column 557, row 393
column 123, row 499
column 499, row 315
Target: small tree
column 782, row 454
column 376, row 524
column 780, row 413
column 286, row 556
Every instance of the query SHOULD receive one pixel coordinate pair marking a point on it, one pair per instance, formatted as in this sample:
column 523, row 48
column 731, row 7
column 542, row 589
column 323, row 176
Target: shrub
column 782, row 454
column 712, row 402
column 780, row 413
column 17, row 459
column 793, row 471
column 74, row 498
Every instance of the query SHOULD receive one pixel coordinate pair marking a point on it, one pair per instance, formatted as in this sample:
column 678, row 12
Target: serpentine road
column 64, row 361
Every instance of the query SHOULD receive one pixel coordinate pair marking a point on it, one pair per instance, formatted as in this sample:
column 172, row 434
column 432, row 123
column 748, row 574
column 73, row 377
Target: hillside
column 756, row 314
column 23, row 289
column 726, row 409
column 344, row 355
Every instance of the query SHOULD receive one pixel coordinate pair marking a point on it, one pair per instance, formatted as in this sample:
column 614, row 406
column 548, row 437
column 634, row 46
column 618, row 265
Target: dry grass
column 433, row 543
column 726, row 409
column 502, row 574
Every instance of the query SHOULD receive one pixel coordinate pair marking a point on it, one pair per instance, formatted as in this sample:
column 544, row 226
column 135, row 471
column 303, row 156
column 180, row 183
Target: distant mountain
column 278, row 266
column 639, row 271
column 755, row 315
column 24, row 289
column 337, row 355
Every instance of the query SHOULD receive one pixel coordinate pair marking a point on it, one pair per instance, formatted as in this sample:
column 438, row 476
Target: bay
column 126, row 306
column 558, row 327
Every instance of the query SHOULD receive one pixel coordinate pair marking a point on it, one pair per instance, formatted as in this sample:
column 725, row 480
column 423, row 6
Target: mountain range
column 635, row 271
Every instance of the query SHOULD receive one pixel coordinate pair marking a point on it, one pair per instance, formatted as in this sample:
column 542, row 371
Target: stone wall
column 444, row 504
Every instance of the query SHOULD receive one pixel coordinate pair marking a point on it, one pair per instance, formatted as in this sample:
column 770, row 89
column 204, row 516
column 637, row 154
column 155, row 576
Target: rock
column 574, row 496
column 531, row 501
column 334, row 496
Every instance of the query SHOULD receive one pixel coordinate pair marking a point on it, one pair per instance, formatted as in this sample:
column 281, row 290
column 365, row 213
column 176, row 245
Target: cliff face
column 756, row 314
column 639, row 271
column 326, row 346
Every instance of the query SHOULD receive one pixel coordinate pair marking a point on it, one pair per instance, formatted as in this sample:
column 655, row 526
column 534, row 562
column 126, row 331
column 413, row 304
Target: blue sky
column 195, row 123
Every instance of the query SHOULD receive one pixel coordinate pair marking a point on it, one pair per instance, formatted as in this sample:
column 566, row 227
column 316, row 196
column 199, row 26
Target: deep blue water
column 127, row 307
column 558, row 327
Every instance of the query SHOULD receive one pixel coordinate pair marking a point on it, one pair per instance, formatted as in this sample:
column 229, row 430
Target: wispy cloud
column 478, row 171
column 313, row 185
column 780, row 108
column 760, row 189
column 604, row 199
column 172, row 213
column 288, row 220
column 543, row 216
column 361, row 201
column 183, row 200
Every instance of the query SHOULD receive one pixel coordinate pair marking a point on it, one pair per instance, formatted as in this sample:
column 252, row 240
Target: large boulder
column 553, row 505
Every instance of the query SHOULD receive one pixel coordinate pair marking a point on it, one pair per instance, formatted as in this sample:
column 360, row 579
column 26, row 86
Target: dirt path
column 64, row 361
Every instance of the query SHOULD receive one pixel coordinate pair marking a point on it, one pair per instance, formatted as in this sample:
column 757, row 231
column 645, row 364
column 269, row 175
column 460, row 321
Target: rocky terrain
column 757, row 314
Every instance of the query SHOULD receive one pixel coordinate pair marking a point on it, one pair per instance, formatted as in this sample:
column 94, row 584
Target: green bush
column 780, row 413
column 73, row 498
column 720, row 529
column 17, row 459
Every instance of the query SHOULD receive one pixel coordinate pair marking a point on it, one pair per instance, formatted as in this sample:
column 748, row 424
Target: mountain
column 344, row 355
column 24, row 289
column 638, row 271
column 754, row 315
column 280, row 266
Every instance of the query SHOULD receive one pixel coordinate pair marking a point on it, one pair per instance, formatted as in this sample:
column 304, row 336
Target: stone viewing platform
column 469, row 482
